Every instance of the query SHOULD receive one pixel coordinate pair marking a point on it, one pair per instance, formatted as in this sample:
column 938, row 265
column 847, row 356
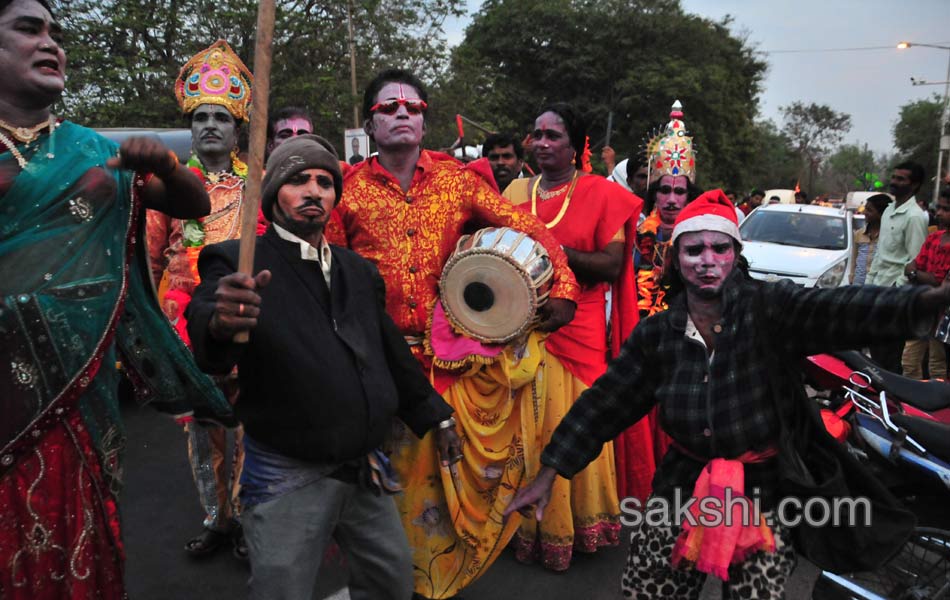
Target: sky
column 869, row 85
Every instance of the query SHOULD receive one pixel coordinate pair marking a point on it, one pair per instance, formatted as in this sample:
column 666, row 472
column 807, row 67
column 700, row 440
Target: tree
column 852, row 168
column 629, row 57
column 814, row 128
column 124, row 55
column 773, row 163
column 917, row 137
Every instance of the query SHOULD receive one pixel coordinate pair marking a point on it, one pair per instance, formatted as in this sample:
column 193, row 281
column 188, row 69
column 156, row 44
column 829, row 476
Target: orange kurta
column 452, row 520
column 410, row 235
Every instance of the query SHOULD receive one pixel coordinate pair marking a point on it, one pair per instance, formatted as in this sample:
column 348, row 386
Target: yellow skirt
column 452, row 516
column 584, row 512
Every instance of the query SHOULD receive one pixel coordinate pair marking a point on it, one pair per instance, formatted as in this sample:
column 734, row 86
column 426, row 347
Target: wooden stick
column 255, row 163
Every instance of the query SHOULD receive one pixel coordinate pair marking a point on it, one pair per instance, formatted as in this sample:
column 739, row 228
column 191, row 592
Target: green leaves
column 630, row 57
column 917, row 136
column 124, row 55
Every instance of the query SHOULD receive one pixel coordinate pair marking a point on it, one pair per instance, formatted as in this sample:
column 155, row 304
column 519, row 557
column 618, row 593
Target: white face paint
column 706, row 258
column 285, row 129
column 213, row 131
column 671, row 197
column 400, row 129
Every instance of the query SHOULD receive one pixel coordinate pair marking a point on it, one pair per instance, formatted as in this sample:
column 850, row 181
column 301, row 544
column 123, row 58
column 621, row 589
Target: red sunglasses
column 389, row 107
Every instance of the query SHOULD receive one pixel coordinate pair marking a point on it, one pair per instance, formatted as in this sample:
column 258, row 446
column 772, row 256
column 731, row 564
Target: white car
column 811, row 245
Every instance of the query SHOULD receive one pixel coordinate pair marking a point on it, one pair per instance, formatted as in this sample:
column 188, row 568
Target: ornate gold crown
column 670, row 151
column 215, row 75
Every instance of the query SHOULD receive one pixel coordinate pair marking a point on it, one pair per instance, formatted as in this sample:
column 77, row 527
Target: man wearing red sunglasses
column 404, row 210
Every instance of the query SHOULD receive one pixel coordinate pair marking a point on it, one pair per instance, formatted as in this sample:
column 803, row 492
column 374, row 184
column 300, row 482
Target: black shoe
column 240, row 544
column 206, row 542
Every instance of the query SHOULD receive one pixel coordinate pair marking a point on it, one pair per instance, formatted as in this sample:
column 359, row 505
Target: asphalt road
column 161, row 512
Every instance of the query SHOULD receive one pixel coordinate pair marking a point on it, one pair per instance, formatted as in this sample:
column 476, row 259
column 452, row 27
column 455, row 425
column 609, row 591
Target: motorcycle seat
column 928, row 396
column 932, row 435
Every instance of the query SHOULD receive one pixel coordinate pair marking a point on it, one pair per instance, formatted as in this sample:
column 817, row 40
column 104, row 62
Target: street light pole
column 943, row 143
column 349, row 25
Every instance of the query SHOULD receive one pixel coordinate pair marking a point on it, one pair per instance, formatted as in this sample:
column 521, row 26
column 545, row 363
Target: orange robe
column 651, row 256
column 174, row 245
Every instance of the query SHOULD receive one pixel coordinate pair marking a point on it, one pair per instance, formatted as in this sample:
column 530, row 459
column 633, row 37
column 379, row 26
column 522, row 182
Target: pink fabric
column 179, row 301
column 713, row 549
column 450, row 346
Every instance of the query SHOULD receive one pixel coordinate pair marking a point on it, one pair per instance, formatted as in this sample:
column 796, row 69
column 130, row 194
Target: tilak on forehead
column 557, row 119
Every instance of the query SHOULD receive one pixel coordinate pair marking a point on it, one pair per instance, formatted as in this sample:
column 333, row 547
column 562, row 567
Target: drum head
column 487, row 297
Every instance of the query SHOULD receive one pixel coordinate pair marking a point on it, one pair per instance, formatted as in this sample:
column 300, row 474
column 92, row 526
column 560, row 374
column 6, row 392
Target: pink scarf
column 714, row 548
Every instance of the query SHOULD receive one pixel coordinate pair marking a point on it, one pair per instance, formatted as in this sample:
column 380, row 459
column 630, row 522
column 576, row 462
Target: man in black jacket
column 323, row 374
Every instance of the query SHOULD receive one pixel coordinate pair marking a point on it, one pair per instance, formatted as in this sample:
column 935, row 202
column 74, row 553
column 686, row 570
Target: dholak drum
column 494, row 283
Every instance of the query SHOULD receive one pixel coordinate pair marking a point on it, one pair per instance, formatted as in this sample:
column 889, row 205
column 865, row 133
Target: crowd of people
column 357, row 414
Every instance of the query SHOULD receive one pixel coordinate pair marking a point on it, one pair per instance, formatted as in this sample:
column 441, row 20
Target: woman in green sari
column 76, row 299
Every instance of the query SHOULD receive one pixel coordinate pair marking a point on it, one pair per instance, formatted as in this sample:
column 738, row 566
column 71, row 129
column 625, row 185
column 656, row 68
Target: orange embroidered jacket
column 410, row 235
column 174, row 245
column 649, row 259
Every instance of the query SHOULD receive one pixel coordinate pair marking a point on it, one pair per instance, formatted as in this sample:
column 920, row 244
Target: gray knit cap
column 293, row 156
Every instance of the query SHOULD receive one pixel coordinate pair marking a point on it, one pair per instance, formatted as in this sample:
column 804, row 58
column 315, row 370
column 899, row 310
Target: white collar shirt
column 902, row 233
column 321, row 255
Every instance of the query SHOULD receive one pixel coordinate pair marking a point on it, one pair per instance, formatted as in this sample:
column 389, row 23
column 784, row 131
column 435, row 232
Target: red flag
column 458, row 123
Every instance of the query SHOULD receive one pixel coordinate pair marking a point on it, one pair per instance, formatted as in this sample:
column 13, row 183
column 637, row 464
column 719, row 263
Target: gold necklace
column 548, row 194
column 20, row 159
column 27, row 134
column 218, row 176
column 563, row 211
column 13, row 150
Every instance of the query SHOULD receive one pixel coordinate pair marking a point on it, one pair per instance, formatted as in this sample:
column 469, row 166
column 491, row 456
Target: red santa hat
column 712, row 211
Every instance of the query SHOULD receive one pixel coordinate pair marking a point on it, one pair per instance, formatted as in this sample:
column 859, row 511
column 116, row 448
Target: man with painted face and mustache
column 214, row 92
column 321, row 378
column 671, row 171
column 718, row 363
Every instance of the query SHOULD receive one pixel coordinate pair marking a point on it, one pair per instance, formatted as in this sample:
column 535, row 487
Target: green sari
column 76, row 299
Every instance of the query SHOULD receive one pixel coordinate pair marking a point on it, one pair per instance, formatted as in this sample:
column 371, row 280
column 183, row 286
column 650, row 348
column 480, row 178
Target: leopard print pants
column 649, row 575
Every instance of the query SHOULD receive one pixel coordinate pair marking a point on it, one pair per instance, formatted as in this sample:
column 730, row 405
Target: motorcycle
column 894, row 422
column 901, row 427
